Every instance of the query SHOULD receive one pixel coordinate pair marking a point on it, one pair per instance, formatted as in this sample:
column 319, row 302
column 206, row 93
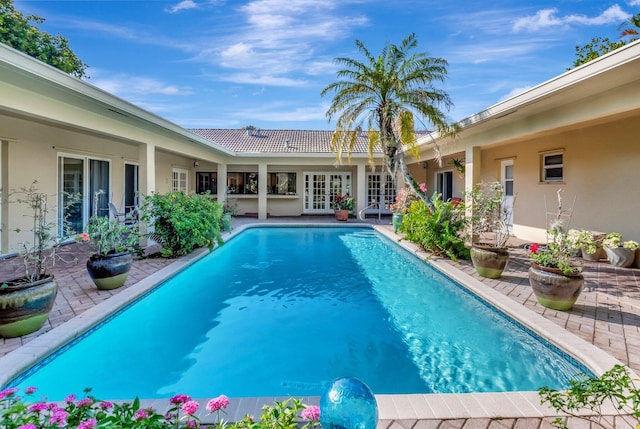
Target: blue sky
column 228, row 64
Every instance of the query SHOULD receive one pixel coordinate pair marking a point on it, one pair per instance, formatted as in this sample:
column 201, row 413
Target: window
column 552, row 167
column 180, row 180
column 206, row 181
column 242, row 183
column 281, row 183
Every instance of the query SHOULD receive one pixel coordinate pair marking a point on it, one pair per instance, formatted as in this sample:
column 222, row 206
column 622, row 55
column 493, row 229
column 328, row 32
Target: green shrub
column 182, row 223
column 441, row 232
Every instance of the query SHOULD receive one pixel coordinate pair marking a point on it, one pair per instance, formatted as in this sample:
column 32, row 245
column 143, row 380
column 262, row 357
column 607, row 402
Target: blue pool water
column 285, row 311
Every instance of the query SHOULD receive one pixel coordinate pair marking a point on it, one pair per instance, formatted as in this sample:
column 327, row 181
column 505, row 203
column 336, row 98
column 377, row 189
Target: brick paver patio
column 607, row 314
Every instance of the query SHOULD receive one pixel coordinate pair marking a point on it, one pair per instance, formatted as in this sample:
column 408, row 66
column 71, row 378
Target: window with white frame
column 180, row 180
column 374, row 193
column 553, row 167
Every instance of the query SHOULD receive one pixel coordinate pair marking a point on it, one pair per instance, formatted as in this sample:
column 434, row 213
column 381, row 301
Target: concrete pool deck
column 607, row 316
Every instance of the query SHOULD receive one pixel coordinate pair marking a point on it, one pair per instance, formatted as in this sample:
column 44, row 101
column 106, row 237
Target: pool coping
column 390, row 407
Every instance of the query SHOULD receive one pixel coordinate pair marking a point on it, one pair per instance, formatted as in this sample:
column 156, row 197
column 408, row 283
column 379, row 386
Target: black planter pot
column 110, row 271
column 25, row 306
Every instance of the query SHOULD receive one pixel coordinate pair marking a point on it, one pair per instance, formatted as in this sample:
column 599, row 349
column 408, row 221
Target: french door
column 83, row 190
column 375, row 193
column 506, row 177
column 444, row 184
column 131, row 187
column 320, row 189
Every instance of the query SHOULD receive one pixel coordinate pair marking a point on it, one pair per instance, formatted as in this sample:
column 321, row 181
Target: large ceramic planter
column 489, row 261
column 24, row 307
column 594, row 257
column 110, row 271
column 396, row 221
column 620, row 256
column 553, row 289
column 341, row 215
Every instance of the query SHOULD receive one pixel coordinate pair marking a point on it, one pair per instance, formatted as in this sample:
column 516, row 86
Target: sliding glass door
column 83, row 190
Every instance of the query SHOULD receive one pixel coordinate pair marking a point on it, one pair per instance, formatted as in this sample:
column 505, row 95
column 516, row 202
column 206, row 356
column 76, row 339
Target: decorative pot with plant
column 620, row 253
column 26, row 301
column 404, row 197
column 555, row 276
column 489, row 229
column 113, row 242
column 588, row 243
column 229, row 209
column 342, row 205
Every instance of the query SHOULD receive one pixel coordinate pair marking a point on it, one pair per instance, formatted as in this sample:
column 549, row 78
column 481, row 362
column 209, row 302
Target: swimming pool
column 284, row 311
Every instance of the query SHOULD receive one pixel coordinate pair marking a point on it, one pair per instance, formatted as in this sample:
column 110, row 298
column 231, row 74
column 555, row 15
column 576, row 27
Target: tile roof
column 275, row 141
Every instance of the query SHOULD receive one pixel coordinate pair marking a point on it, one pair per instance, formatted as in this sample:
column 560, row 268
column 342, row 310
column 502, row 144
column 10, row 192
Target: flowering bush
column 342, row 202
column 17, row 412
column 614, row 239
column 110, row 236
column 404, row 198
column 587, row 240
column 182, row 222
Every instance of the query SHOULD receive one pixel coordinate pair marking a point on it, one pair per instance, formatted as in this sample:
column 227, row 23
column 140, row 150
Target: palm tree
column 386, row 95
column 632, row 29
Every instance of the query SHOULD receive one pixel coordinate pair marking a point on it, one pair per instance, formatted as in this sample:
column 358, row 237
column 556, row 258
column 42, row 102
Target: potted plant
column 555, row 276
column 26, row 301
column 342, row 205
column 587, row 243
column 489, row 229
column 620, row 253
column 229, row 209
column 113, row 243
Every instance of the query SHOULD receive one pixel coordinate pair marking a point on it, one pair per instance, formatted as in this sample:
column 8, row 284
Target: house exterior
column 578, row 132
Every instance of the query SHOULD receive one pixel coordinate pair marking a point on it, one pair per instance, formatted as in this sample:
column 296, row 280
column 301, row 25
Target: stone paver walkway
column 607, row 314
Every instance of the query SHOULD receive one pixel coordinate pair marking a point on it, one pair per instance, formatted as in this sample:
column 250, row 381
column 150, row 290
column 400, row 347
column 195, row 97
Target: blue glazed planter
column 396, row 221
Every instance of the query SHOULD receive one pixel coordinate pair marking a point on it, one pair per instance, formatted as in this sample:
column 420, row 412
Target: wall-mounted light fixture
column 196, row 163
column 425, row 164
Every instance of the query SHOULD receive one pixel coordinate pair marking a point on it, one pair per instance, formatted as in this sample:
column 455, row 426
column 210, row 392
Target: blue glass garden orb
column 348, row 404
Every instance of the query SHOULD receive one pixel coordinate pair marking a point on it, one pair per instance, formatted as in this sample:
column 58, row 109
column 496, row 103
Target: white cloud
column 279, row 113
column 263, row 79
column 126, row 86
column 514, row 92
column 183, row 5
column 634, row 3
column 547, row 18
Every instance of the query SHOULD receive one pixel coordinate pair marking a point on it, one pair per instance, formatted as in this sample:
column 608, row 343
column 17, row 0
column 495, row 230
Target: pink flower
column 180, row 399
column 190, row 407
column 312, row 412
column 84, row 402
column 59, row 418
column 89, row 424
column 30, row 390
column 38, row 406
column 534, row 248
column 192, row 424
column 106, row 405
column 69, row 399
column 84, row 237
column 219, row 403
column 8, row 393
column 28, row 426
column 423, row 188
column 169, row 416
column 140, row 414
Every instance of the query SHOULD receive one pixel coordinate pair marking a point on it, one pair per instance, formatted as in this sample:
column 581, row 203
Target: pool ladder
column 361, row 215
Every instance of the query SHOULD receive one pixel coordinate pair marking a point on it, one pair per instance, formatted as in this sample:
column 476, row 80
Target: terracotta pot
column 396, row 221
column 620, row 256
column 25, row 306
column 341, row 215
column 489, row 261
column 553, row 289
column 110, row 271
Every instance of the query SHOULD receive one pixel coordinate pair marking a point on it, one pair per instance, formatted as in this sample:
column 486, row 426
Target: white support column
column 361, row 191
column 222, row 183
column 262, row 191
column 473, row 167
column 147, row 173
